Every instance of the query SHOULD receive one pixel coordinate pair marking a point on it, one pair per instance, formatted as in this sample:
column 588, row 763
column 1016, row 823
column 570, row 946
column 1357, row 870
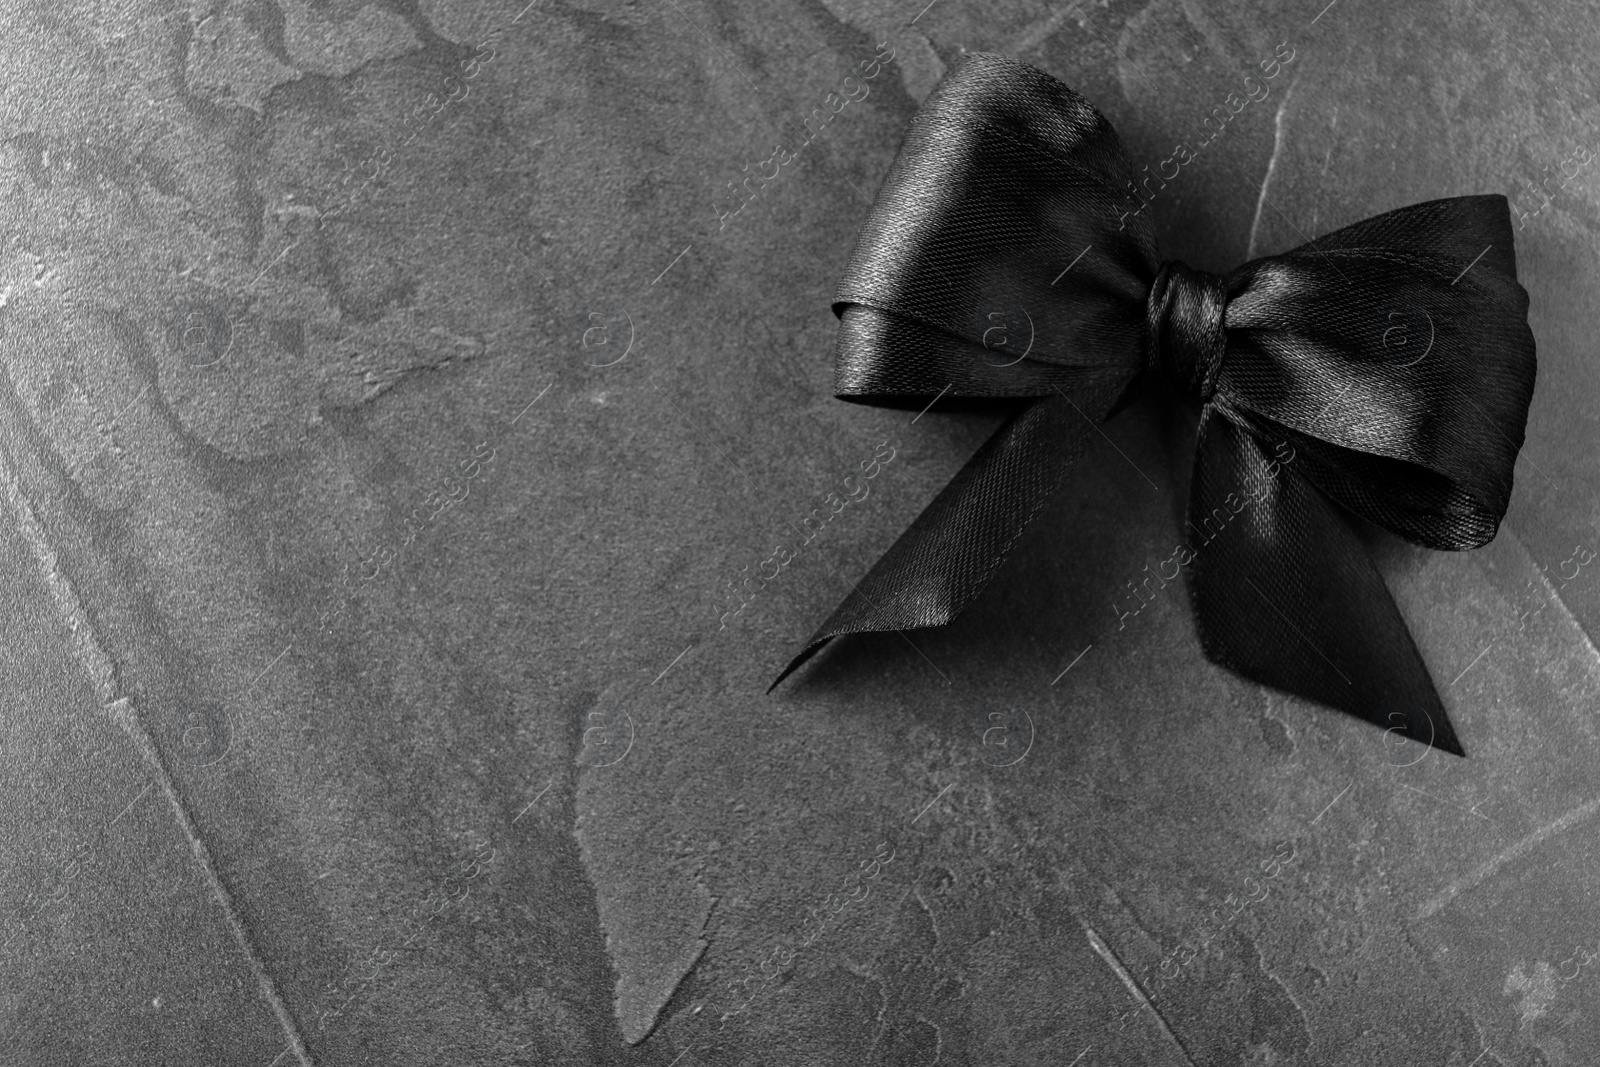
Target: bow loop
column 995, row 254
column 1398, row 362
column 1185, row 320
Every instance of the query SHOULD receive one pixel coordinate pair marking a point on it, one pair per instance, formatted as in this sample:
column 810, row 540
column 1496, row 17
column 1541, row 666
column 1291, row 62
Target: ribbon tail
column 1285, row 594
column 945, row 558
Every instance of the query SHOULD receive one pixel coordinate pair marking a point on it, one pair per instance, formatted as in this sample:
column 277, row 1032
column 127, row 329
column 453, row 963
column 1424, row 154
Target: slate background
column 224, row 820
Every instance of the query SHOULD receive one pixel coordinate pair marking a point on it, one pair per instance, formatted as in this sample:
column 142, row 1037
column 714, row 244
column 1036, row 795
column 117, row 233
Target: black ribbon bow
column 1000, row 260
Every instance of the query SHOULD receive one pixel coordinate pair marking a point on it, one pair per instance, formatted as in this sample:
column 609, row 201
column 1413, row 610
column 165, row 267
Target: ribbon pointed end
column 811, row 649
column 1445, row 740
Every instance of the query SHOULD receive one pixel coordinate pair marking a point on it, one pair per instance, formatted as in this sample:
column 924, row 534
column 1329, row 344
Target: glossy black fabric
column 1383, row 370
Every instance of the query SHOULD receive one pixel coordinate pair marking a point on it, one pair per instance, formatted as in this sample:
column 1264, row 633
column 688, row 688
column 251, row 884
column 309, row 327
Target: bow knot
column 1184, row 317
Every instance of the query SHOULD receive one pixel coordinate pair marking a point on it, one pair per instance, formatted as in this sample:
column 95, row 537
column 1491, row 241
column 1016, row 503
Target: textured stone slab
column 390, row 394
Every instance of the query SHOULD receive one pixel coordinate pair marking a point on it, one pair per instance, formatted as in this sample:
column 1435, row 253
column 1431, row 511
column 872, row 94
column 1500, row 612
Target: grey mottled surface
column 523, row 799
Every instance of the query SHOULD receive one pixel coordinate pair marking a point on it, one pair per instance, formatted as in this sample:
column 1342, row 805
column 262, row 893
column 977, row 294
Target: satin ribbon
column 1001, row 262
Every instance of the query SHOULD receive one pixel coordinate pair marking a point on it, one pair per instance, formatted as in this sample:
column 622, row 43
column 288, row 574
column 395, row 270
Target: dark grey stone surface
column 522, row 798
